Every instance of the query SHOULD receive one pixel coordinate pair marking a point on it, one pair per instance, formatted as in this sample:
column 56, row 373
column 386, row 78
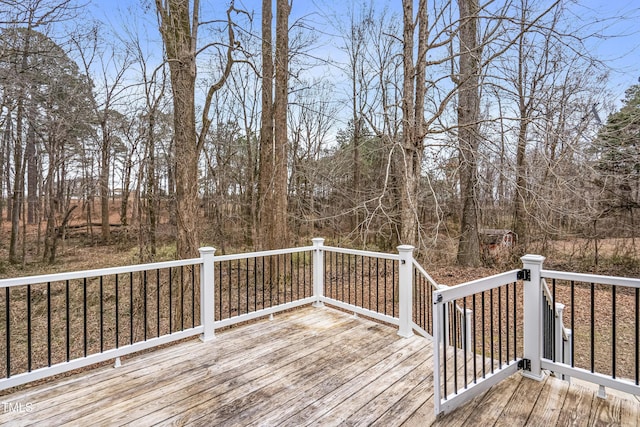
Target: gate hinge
column 524, row 274
column 524, row 364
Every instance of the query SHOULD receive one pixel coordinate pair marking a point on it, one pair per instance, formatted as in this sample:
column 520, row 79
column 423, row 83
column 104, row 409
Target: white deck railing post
column 318, row 271
column 207, row 297
column 405, row 282
column 533, row 315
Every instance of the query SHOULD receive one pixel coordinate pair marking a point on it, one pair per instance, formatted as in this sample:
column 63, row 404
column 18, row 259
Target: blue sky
column 614, row 23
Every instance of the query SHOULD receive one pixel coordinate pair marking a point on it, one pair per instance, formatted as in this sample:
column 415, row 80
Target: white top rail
column 232, row 257
column 382, row 255
column 591, row 278
column 476, row 286
column 60, row 277
column 426, row 275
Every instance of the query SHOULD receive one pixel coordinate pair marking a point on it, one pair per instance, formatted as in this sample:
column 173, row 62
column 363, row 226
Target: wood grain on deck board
column 309, row 366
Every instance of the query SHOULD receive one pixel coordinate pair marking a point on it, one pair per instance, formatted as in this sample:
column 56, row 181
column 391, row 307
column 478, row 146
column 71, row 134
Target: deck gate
column 478, row 337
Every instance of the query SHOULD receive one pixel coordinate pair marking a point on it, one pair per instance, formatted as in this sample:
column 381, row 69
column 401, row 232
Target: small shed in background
column 496, row 241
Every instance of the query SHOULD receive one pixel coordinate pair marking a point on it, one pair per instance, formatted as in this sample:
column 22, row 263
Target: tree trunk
column 266, row 128
column 104, row 181
column 180, row 43
column 519, row 204
column 273, row 137
column 279, row 233
column 412, row 120
column 468, row 133
column 18, row 185
column 151, row 188
column 32, row 168
column 4, row 162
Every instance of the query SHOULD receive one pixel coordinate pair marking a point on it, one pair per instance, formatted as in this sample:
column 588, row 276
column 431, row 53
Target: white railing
column 58, row 322
column 220, row 291
column 391, row 304
column 603, row 349
column 600, row 344
column 463, row 372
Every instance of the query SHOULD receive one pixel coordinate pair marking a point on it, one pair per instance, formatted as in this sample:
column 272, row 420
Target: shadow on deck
column 308, row 366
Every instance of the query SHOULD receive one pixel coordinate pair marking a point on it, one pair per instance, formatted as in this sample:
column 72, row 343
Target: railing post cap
column 405, row 248
column 533, row 259
column 207, row 250
column 318, row 240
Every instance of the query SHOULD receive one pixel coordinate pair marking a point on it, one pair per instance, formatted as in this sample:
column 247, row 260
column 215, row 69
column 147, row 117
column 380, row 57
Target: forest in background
column 423, row 125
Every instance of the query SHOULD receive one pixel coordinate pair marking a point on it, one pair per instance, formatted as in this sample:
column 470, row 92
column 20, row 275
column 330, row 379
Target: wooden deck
column 307, row 367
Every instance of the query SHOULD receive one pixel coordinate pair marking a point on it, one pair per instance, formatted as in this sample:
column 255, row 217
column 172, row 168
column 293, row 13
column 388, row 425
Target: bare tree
column 467, row 82
column 179, row 25
column 273, row 160
column 413, row 122
column 111, row 65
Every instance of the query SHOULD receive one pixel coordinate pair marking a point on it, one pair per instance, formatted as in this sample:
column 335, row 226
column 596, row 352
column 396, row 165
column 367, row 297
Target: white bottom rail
column 626, row 386
column 92, row 359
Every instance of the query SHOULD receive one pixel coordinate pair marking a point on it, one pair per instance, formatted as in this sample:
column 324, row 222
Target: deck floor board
column 310, row 366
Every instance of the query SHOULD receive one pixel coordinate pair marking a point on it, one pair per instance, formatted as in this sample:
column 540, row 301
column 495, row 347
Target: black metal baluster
column 279, row 278
column 8, row 334
column 117, row 311
column 284, row 275
column 429, row 305
column 84, row 314
column 101, row 313
column 29, row 343
column 327, row 274
column 158, row 301
column 362, row 281
column 378, row 285
column 444, row 346
column 291, row 274
column 144, row 289
column 304, row 275
column 255, row 285
column 342, row 276
column 219, row 293
column 270, row 281
column 515, row 321
column 484, row 354
column 553, row 320
column 491, row 328
column 68, row 332
column 193, row 296
column 131, row 307
column 48, row 323
column 464, row 339
column 246, row 265
column 593, row 333
column 417, row 296
column 182, row 297
column 637, row 337
column 229, row 274
column 454, row 310
column 506, row 305
column 349, row 277
column 393, row 289
column 369, row 281
column 613, row 331
column 475, row 339
column 500, row 327
column 170, row 300
column 263, row 277
column 385, row 287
